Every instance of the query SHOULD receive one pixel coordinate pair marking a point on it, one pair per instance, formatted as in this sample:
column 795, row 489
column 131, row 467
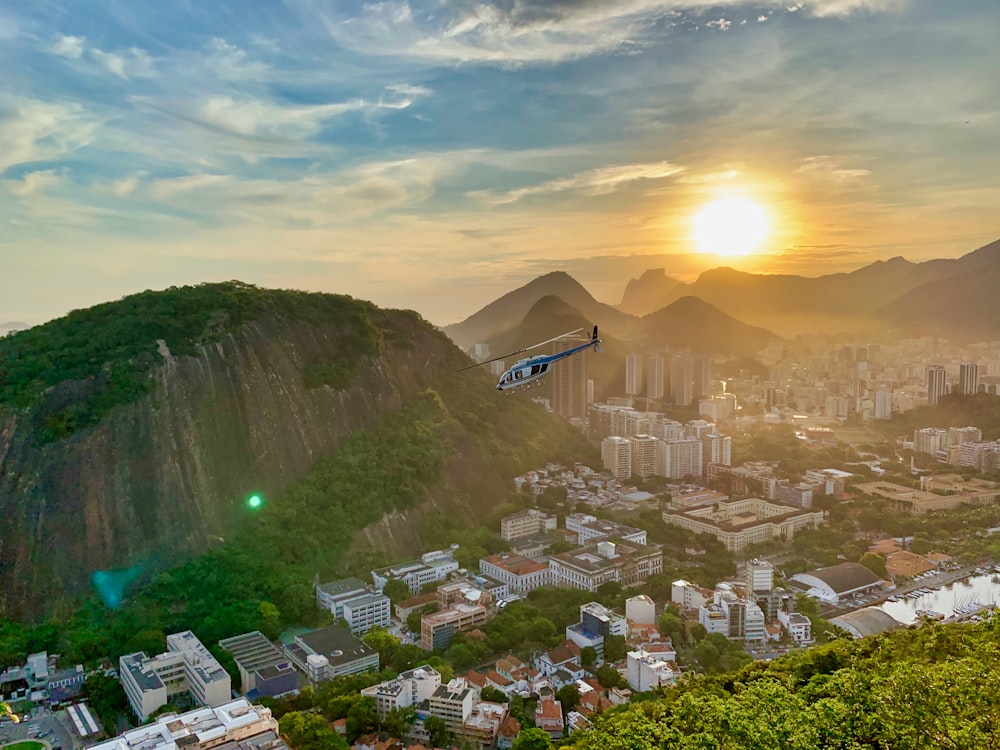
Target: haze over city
column 436, row 155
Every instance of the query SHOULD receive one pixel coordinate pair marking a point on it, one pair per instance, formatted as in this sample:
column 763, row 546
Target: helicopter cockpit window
column 509, row 378
column 518, row 374
column 535, row 369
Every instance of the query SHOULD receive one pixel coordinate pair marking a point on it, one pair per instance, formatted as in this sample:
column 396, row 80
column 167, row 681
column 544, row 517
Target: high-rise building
column 644, row 455
column 569, row 383
column 935, row 383
column 716, row 449
column 883, row 404
column 616, row 455
column 655, row 375
column 633, row 373
column 968, row 378
column 681, row 379
column 702, row 377
column 679, row 458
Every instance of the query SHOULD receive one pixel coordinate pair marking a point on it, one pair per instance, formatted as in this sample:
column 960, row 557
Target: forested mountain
column 918, row 689
column 131, row 434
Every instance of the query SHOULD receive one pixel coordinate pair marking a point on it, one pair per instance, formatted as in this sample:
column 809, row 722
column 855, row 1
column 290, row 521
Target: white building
column 589, row 567
column 520, row 573
column 655, row 376
column 640, row 610
column 837, row 583
column 589, row 529
column 203, row 728
column 644, row 449
column 354, row 602
column 681, row 458
column 330, row 652
column 596, row 623
column 649, row 667
column 453, row 703
column 689, row 595
column 716, row 449
column 681, row 379
column 798, row 626
column 525, row 523
column 633, row 373
column 432, row 566
column 185, row 667
column 616, row 456
column 883, row 404
column 409, row 689
column 968, row 378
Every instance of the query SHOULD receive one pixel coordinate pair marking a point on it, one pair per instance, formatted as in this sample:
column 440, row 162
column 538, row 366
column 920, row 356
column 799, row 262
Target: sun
column 730, row 226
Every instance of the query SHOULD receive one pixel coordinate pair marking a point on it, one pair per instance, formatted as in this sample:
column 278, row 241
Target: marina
column 959, row 601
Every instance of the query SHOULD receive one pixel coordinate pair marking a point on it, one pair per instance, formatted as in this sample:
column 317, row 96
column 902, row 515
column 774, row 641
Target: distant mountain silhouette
column 648, row 293
column 797, row 303
column 960, row 308
column 509, row 310
column 692, row 323
column 14, row 326
column 551, row 316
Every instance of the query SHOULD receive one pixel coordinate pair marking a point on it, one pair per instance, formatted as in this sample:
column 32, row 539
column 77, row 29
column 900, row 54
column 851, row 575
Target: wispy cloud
column 34, row 182
column 69, row 46
column 126, row 64
column 592, row 182
column 830, row 167
column 33, row 130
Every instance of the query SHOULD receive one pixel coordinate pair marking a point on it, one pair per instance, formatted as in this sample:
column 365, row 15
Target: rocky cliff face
column 162, row 477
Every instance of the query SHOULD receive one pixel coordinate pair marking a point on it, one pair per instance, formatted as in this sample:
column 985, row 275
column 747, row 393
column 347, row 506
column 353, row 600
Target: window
column 535, row 369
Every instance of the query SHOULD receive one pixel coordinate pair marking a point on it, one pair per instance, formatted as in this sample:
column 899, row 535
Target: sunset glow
column 730, row 227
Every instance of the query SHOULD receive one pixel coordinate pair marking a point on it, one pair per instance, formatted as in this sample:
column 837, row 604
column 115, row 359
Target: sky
column 435, row 154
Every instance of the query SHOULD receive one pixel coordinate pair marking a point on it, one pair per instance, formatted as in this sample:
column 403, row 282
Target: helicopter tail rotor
column 595, row 341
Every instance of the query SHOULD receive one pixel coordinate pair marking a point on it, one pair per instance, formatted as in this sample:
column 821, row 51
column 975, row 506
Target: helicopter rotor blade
column 519, row 351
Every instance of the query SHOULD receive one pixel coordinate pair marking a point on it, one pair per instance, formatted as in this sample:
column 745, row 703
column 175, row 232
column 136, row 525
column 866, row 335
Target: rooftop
column 343, row 586
column 335, row 643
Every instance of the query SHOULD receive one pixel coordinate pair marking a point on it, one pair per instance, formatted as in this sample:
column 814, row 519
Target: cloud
column 69, row 46
column 131, row 63
column 230, row 62
column 32, row 130
column 722, row 24
column 34, row 182
column 830, row 167
column 592, row 182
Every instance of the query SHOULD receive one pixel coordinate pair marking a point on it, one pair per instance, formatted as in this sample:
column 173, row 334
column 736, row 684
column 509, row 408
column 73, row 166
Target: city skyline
column 433, row 156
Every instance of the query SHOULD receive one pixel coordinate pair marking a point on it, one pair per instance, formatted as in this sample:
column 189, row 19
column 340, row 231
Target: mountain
column 648, row 293
column 131, row 434
column 6, row 328
column 551, row 316
column 692, row 323
column 508, row 311
column 960, row 308
column 797, row 304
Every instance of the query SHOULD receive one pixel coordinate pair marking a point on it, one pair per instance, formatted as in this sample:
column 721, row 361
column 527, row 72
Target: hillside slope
column 147, row 454
column 648, row 293
column 692, row 323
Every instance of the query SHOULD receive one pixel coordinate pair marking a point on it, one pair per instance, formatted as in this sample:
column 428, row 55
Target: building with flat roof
column 525, row 523
column 259, row 659
column 410, row 688
column 651, row 666
column 590, row 528
column 185, row 667
column 330, row 652
column 354, row 601
column 520, row 573
column 438, row 628
column 741, row 523
column 235, row 725
column 588, row 567
column 597, row 622
column 919, row 502
column 453, row 702
column 431, row 567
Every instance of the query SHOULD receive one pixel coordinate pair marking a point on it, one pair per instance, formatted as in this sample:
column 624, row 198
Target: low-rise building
column 689, row 595
column 549, row 717
column 525, row 523
column 185, row 667
column 597, row 622
column 330, row 652
column 651, row 666
column 431, row 567
column 640, row 610
column 920, row 501
column 410, row 688
column 587, row 568
column 741, row 523
column 453, row 703
column 438, row 629
column 356, row 603
column 590, row 529
column 837, row 583
column 798, row 626
column 520, row 573
column 264, row 669
column 234, row 725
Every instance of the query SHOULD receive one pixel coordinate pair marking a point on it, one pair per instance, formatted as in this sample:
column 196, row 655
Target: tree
column 588, row 656
column 874, row 563
column 309, row 731
column 532, row 738
column 610, row 677
column 396, row 590
column 614, row 648
column 106, row 696
column 397, row 722
column 361, row 718
column 491, row 695
column 439, row 733
column 671, row 625
column 569, row 697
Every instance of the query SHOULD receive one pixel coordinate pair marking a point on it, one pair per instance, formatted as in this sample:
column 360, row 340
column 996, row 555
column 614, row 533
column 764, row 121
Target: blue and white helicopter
column 527, row 372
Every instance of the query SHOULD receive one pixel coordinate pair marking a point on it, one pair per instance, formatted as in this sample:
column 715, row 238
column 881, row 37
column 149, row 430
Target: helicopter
column 527, row 372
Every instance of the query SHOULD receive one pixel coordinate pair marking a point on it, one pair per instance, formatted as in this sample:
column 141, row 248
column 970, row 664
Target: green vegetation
column 953, row 410
column 25, row 745
column 924, row 688
column 109, row 350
